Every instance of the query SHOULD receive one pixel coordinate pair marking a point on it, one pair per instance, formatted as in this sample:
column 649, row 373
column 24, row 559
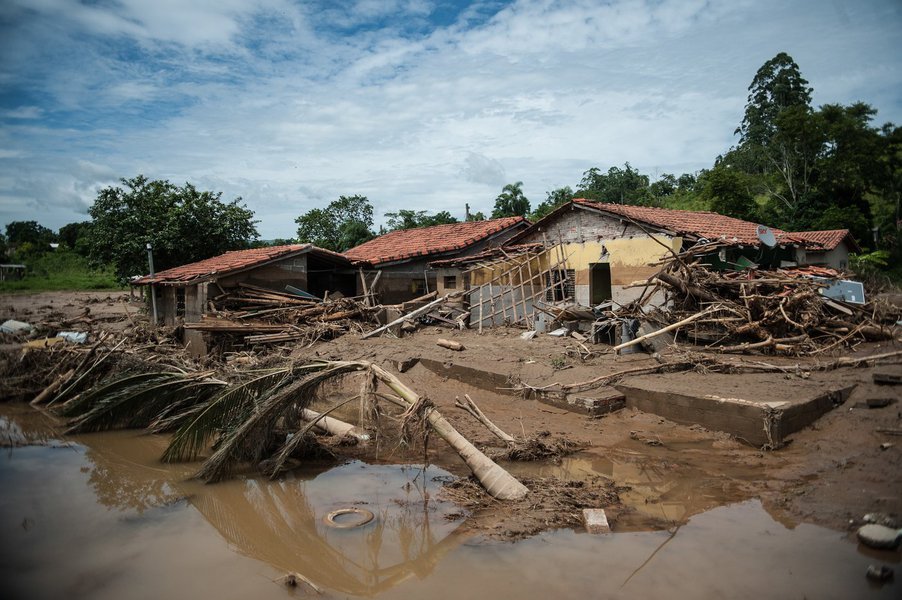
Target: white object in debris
column 13, row 326
column 560, row 332
column 879, row 536
column 596, row 521
column 76, row 337
column 528, row 335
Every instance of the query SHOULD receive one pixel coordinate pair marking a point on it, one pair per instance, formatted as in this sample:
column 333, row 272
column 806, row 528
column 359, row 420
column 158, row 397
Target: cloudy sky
column 420, row 104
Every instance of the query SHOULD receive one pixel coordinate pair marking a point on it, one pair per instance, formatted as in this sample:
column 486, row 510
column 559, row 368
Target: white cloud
column 280, row 105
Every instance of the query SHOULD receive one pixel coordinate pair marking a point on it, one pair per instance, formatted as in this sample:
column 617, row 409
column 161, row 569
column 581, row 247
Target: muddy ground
column 845, row 465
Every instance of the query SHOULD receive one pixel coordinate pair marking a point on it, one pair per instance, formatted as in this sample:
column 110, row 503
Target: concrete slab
column 758, row 409
column 596, row 521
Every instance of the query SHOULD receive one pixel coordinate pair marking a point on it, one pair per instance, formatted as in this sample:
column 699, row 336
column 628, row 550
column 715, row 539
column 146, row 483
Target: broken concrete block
column 528, row 335
column 596, row 521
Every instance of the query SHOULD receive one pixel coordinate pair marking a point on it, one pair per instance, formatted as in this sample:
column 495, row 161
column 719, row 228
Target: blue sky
column 420, row 104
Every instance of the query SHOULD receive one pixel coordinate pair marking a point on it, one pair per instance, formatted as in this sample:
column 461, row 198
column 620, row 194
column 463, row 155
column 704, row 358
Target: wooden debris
column 450, row 344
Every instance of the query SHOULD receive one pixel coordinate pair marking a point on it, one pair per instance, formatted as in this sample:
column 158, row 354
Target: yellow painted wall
column 629, row 258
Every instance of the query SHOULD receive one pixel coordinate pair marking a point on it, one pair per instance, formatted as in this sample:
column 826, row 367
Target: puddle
column 101, row 518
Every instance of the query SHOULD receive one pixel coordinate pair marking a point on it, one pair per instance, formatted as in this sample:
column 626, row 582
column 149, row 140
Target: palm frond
column 252, row 438
column 138, row 405
column 198, row 424
column 124, row 385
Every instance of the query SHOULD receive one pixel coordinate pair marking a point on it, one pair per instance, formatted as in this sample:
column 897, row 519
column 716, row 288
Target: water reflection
column 282, row 522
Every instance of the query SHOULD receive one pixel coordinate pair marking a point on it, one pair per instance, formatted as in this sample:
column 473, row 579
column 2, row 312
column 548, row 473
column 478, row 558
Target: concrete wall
column 581, row 225
column 838, row 258
column 274, row 276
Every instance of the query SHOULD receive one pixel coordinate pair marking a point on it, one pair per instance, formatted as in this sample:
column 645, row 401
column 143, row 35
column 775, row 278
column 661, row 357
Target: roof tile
column 232, row 261
column 425, row 241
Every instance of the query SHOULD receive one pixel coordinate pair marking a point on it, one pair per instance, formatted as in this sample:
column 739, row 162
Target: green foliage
column 29, row 232
column 728, row 192
column 477, row 216
column 553, row 199
column 183, row 224
column 412, row 219
column 511, row 202
column 617, row 186
column 345, row 223
column 777, row 85
column 75, row 236
column 62, row 269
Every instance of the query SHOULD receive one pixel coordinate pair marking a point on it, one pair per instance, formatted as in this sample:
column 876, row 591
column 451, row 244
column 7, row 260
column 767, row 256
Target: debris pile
column 258, row 315
column 780, row 310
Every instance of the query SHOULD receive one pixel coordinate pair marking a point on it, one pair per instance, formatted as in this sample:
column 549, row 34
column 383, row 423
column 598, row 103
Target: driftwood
column 477, row 414
column 671, row 327
column 450, row 345
column 51, row 389
column 333, row 426
column 411, row 315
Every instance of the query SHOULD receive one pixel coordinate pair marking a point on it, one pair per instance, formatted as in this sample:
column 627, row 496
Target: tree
column 74, row 236
column 477, row 216
column 412, row 219
column 617, row 186
column 29, row 232
column 345, row 223
column 777, row 85
column 183, row 224
column 728, row 192
column 511, row 202
column 553, row 199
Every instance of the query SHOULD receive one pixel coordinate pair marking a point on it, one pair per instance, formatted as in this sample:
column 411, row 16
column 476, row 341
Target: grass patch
column 61, row 270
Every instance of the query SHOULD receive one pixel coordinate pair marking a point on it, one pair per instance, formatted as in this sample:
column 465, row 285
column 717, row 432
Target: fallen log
column 496, row 481
column 333, row 426
column 477, row 414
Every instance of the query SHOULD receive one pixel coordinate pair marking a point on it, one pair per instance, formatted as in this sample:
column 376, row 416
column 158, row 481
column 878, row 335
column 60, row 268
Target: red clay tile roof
column 828, row 239
column 702, row 224
column 426, row 241
column 236, row 260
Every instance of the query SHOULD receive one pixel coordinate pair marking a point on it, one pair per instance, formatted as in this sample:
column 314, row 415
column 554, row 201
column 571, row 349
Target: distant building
column 829, row 248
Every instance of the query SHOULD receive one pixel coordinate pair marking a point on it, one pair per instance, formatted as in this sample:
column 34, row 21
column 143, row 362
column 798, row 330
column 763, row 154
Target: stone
column 879, row 402
column 596, row 521
column 881, row 573
column 879, row 536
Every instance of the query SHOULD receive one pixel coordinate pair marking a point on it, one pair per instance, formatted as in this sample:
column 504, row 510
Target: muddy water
column 100, row 517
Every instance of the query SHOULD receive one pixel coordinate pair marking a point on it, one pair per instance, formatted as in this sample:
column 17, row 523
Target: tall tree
column 777, row 85
column 75, row 236
column 343, row 224
column 728, row 192
column 182, row 223
column 511, row 202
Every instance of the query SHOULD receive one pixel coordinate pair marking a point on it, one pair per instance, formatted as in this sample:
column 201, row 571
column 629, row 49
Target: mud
column 703, row 514
column 100, row 517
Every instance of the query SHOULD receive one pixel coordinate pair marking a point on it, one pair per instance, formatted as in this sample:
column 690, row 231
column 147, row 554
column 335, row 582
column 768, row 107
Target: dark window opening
column 180, row 302
column 560, row 285
column 450, row 282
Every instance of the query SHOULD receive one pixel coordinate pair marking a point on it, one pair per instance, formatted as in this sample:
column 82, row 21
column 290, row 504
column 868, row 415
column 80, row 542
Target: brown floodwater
column 98, row 516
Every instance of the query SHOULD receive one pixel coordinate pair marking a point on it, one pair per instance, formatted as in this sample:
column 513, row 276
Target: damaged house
column 182, row 293
column 590, row 253
column 396, row 263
